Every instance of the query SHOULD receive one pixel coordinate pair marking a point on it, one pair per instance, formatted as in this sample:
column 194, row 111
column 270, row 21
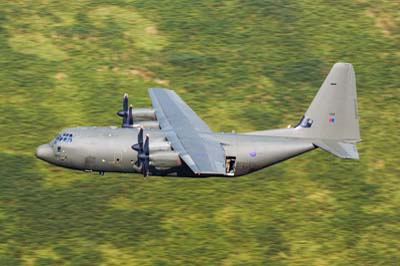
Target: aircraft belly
column 276, row 152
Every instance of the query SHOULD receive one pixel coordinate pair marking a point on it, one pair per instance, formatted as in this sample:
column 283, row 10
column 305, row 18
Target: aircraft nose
column 44, row 152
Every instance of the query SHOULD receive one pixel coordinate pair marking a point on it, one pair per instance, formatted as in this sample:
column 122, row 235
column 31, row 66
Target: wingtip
column 343, row 64
column 155, row 89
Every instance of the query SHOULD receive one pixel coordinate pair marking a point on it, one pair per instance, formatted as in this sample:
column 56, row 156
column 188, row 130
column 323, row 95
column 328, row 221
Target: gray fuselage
column 108, row 149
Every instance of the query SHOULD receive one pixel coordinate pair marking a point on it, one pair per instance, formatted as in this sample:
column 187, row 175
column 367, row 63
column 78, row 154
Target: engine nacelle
column 147, row 124
column 165, row 159
column 159, row 146
column 141, row 114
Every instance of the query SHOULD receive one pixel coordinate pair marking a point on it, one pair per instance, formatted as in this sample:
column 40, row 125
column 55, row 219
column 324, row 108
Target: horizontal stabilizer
column 338, row 148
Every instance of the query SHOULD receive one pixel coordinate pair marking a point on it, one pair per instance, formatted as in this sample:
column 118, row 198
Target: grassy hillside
column 243, row 65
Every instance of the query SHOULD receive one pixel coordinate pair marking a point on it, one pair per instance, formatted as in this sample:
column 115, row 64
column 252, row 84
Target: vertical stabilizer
column 331, row 120
column 333, row 112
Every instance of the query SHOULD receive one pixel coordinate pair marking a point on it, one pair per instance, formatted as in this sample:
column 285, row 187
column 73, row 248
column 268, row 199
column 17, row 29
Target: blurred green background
column 242, row 65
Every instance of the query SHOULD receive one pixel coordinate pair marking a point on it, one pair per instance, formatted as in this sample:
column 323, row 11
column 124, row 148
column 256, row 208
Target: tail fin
column 332, row 117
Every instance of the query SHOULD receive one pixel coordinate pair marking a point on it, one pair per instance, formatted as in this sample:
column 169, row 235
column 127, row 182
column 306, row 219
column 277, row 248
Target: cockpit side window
column 305, row 122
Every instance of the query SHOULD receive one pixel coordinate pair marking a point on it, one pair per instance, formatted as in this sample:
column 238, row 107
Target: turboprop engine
column 137, row 117
column 158, row 155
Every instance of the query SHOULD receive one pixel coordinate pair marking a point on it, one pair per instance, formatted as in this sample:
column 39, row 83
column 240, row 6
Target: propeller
column 124, row 106
column 128, row 118
column 126, row 112
column 139, row 146
column 146, row 163
column 143, row 150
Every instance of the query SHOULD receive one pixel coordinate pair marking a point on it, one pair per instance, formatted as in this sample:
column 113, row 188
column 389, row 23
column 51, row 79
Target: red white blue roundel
column 253, row 153
column 331, row 119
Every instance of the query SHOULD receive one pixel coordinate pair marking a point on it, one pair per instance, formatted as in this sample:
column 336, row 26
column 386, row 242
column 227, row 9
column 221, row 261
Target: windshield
column 62, row 137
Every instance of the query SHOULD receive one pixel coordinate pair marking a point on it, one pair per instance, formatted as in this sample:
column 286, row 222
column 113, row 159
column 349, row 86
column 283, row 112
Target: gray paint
column 108, row 149
column 184, row 145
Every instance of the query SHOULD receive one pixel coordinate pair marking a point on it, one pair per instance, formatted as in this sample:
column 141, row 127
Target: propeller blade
column 145, row 168
column 139, row 145
column 139, row 163
column 146, row 161
column 125, row 120
column 130, row 117
column 146, row 148
column 125, row 103
column 124, row 106
column 140, row 139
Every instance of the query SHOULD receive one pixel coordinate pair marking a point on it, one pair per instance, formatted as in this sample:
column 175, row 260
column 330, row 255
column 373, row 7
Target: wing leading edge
column 183, row 128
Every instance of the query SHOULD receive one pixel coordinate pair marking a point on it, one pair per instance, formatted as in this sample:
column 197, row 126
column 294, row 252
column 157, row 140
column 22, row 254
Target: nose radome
column 44, row 152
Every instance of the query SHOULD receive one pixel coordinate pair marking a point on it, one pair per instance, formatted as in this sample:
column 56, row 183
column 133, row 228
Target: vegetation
column 243, row 65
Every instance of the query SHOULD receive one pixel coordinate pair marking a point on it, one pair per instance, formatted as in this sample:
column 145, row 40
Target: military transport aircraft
column 170, row 139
